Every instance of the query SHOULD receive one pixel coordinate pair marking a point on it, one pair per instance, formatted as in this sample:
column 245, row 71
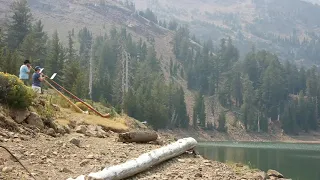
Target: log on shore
column 138, row 137
column 143, row 162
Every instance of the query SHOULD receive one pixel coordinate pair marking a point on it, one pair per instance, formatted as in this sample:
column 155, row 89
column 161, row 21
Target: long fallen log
column 138, row 137
column 143, row 162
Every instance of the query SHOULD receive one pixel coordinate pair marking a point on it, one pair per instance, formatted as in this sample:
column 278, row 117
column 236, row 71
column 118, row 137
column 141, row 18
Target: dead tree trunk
column 143, row 162
column 138, row 137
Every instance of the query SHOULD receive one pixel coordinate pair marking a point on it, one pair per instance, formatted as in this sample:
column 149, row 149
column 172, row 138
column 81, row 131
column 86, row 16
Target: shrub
column 13, row 92
column 82, row 106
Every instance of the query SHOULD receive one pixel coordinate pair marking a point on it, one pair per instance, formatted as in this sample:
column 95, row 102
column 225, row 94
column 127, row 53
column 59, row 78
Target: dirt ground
column 50, row 158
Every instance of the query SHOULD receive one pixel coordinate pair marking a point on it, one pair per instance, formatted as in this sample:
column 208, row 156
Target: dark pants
column 26, row 82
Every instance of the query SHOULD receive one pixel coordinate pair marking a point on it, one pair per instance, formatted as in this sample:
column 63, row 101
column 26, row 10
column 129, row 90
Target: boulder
column 274, row 173
column 35, row 120
column 19, row 115
column 8, row 123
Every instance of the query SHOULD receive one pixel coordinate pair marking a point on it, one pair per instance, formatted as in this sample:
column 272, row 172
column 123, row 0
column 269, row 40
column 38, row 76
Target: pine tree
column 85, row 40
column 34, row 44
column 248, row 107
column 19, row 24
column 273, row 89
column 56, row 57
column 71, row 68
column 199, row 111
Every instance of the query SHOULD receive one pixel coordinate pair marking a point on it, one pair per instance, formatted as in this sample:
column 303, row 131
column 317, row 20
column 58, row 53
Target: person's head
column 37, row 69
column 26, row 62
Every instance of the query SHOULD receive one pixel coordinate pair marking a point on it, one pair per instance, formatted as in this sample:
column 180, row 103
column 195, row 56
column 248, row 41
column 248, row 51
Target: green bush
column 13, row 92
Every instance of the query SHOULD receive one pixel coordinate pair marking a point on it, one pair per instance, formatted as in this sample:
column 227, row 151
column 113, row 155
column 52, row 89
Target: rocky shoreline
column 54, row 151
column 84, row 150
column 204, row 136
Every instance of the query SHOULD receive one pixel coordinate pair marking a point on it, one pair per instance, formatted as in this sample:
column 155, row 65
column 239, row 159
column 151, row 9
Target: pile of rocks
column 23, row 121
column 92, row 131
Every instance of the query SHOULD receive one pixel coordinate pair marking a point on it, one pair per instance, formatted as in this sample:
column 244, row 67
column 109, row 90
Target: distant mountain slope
column 313, row 1
column 264, row 23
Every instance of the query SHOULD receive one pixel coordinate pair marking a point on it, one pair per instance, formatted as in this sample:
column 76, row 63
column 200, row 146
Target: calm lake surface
column 296, row 161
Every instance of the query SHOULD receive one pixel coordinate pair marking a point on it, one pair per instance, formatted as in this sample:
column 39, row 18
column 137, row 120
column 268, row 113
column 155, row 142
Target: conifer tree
column 19, row 24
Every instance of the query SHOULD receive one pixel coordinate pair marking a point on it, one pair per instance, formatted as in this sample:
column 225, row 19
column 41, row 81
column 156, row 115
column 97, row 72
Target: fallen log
column 143, row 162
column 138, row 137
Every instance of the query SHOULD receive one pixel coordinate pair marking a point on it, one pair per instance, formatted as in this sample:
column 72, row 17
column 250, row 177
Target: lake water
column 296, row 161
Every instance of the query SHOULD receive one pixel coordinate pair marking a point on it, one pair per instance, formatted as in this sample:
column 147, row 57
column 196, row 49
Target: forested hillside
column 152, row 67
column 288, row 28
column 125, row 73
column 258, row 89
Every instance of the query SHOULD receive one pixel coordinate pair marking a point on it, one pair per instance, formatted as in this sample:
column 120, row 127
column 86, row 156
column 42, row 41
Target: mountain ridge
column 267, row 24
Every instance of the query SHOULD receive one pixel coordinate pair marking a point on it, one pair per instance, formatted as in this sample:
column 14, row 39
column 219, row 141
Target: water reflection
column 297, row 161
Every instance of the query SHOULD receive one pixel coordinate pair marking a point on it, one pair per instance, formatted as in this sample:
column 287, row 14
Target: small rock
column 259, row 176
column 81, row 129
column 51, row 132
column 84, row 162
column 274, row 173
column 67, row 129
column 101, row 133
column 60, row 129
column 181, row 160
column 198, row 175
column 75, row 141
column 56, row 107
column 90, row 156
column 32, row 155
column 7, row 169
column 66, row 170
column 2, row 161
column 50, row 161
column 55, row 152
column 239, row 165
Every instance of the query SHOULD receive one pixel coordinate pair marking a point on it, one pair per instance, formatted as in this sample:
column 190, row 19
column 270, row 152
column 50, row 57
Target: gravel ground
column 57, row 158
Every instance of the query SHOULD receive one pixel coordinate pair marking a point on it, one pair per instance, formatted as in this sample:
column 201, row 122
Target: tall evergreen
column 19, row 23
column 34, row 45
column 56, row 57
column 199, row 111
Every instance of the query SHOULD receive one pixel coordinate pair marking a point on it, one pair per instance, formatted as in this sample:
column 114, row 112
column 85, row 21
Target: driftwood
column 143, row 162
column 138, row 137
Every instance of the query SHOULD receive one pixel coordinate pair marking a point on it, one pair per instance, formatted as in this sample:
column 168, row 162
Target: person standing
column 24, row 72
column 37, row 78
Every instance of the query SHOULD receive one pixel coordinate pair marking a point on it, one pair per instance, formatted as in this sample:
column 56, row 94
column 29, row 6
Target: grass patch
column 116, row 124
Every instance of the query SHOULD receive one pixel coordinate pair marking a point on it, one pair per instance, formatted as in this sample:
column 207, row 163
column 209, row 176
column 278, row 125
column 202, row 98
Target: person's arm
column 26, row 69
column 41, row 78
column 29, row 68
